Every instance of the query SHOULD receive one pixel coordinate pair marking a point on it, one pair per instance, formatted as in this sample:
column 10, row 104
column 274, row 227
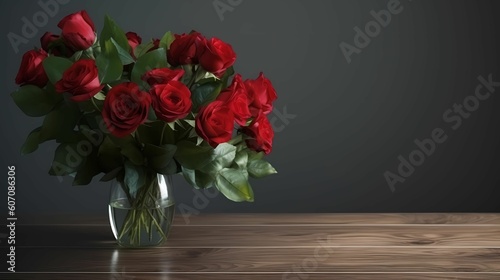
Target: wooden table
column 268, row 246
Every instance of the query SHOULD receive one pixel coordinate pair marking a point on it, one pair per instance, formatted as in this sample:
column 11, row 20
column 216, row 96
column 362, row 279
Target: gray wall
column 350, row 121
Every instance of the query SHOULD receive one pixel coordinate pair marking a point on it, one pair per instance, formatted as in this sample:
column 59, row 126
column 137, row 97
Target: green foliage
column 166, row 40
column 233, row 183
column 55, row 66
column 34, row 101
column 108, row 63
column 204, row 94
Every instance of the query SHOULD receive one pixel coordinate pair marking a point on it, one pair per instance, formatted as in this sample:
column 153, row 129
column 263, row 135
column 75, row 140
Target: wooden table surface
column 267, row 246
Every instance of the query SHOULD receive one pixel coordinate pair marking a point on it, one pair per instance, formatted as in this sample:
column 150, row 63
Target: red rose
column 217, row 57
column 261, row 135
column 215, row 123
column 162, row 75
column 53, row 44
column 186, row 49
column 78, row 30
column 81, row 80
column 125, row 108
column 47, row 39
column 236, row 99
column 31, row 70
column 133, row 40
column 171, row 101
column 261, row 94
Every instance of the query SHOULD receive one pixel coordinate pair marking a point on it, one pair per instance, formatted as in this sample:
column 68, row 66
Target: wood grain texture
column 260, row 276
column 275, row 236
column 267, row 246
column 261, row 259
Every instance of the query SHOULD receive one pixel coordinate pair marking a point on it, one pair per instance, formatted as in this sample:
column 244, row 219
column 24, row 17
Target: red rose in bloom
column 215, row 123
column 261, row 94
column 125, row 108
column 78, row 30
column 81, row 80
column 171, row 101
column 31, row 70
column 217, row 57
column 236, row 99
column 261, row 135
column 162, row 75
column 186, row 49
column 133, row 40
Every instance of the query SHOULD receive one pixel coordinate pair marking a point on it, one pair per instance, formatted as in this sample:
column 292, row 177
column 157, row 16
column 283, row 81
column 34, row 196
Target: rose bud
column 125, row 108
column 215, row 123
column 133, row 40
column 261, row 135
column 217, row 57
column 78, row 30
column 31, row 70
column 81, row 80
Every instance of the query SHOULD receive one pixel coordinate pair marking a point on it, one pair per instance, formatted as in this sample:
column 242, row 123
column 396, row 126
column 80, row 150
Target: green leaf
column 55, row 66
column 241, row 159
column 152, row 114
column 109, row 156
column 133, row 153
column 34, row 101
column 32, row 142
column 161, row 158
column 167, row 40
column 142, row 49
column 191, row 156
column 198, row 179
column 67, row 160
column 87, row 170
column 109, row 64
column 205, row 158
column 135, row 177
column 111, row 175
column 260, row 168
column 152, row 133
column 199, row 140
column 112, row 30
column 204, row 94
column 252, row 155
column 149, row 61
column 59, row 124
column 124, row 55
column 192, row 123
column 234, row 185
column 225, row 78
column 221, row 157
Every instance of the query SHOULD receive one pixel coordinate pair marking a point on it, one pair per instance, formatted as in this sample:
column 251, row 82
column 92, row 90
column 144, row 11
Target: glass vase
column 142, row 218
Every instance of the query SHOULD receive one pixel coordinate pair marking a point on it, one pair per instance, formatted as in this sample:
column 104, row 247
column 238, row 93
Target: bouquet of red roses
column 130, row 109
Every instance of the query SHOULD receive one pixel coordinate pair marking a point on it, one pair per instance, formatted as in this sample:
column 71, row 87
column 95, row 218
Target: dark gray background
column 352, row 120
